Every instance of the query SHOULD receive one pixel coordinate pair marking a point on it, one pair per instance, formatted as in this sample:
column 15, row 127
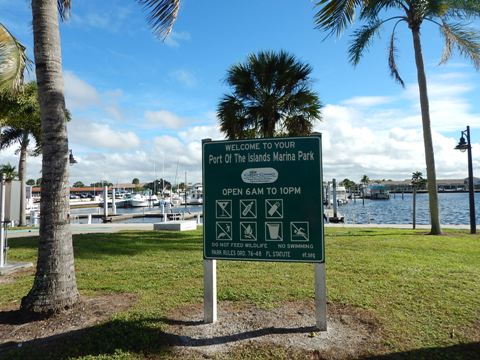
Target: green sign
column 263, row 199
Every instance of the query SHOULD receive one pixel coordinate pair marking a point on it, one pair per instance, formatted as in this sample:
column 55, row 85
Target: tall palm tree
column 13, row 60
column 54, row 287
column 21, row 117
column 271, row 96
column 417, row 182
column 334, row 16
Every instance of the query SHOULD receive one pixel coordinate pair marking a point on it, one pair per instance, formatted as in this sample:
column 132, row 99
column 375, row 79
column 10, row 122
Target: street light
column 463, row 145
column 71, row 159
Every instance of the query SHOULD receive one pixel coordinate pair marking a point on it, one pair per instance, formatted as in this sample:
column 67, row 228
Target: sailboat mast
column 154, row 178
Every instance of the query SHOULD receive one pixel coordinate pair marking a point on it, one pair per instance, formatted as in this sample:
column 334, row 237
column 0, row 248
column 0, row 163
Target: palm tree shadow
column 18, row 317
column 205, row 339
column 145, row 336
column 137, row 336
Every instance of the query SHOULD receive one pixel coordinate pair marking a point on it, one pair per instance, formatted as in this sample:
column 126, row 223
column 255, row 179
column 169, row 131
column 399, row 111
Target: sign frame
column 275, row 222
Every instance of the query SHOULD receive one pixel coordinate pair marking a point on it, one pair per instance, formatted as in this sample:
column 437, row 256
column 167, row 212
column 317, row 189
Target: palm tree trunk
column 414, row 222
column 427, row 135
column 22, row 171
column 54, row 287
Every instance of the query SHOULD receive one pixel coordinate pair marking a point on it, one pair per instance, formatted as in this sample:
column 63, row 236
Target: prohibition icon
column 299, row 231
column 224, row 230
column 224, row 209
column 248, row 209
column 274, row 208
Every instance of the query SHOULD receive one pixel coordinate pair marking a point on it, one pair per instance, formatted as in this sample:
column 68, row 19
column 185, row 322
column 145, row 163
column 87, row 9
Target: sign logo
column 260, row 176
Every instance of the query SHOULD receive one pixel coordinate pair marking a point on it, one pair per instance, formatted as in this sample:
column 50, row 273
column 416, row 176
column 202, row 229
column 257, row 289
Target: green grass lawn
column 424, row 290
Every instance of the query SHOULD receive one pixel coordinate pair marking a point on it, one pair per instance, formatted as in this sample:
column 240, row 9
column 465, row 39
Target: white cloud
column 112, row 22
column 184, row 77
column 90, row 134
column 165, row 119
column 78, row 93
column 388, row 143
column 361, row 101
column 175, row 38
column 112, row 108
column 198, row 133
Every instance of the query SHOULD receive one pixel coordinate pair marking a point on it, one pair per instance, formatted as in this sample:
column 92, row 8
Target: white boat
column 176, row 199
column 139, row 200
column 143, row 200
column 341, row 195
column 194, row 195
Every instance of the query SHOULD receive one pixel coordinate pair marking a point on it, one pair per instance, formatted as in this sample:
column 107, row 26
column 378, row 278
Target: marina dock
column 150, row 214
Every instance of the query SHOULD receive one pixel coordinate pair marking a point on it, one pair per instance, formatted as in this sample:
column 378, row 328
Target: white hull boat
column 138, row 200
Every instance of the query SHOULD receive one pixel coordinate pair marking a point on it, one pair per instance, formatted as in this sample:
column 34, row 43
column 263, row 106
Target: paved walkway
column 111, row 228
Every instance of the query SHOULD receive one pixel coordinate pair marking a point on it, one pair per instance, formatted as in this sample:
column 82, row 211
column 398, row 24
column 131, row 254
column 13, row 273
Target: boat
column 341, row 195
column 176, row 199
column 194, row 195
column 139, row 200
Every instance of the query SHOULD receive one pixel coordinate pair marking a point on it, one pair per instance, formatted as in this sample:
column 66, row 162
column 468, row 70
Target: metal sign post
column 263, row 201
column 2, row 222
column 105, row 202
column 210, row 291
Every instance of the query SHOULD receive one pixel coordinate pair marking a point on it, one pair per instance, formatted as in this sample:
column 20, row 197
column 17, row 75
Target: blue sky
column 141, row 106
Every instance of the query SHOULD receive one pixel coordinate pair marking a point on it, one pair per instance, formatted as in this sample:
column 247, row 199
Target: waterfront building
column 444, row 185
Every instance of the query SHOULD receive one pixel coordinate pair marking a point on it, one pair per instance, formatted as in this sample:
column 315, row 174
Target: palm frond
column 297, row 126
column 372, row 9
column 162, row 14
column 335, row 16
column 13, row 60
column 10, row 136
column 392, row 56
column 64, row 7
column 459, row 9
column 362, row 39
column 467, row 42
column 233, row 122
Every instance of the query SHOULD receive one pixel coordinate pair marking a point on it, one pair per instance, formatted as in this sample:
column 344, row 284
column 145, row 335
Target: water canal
column 454, row 210
column 398, row 210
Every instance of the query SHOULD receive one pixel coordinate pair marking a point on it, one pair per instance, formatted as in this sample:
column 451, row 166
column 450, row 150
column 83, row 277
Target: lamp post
column 465, row 144
column 71, row 159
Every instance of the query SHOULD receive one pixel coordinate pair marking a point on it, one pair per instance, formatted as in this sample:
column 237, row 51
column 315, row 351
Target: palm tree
column 271, row 96
column 417, row 182
column 9, row 172
column 13, row 60
column 21, row 123
column 55, row 287
column 365, row 180
column 334, row 16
